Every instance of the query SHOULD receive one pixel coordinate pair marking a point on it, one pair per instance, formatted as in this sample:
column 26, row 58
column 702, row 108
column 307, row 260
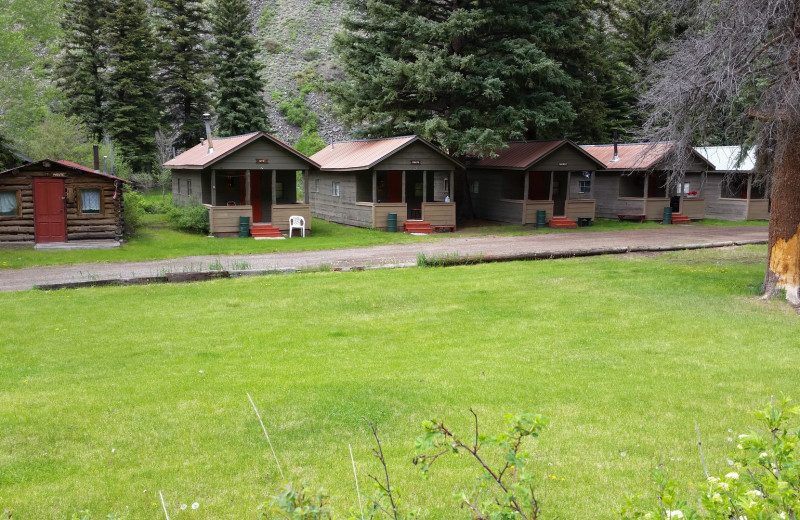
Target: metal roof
column 197, row 157
column 636, row 156
column 522, row 155
column 726, row 158
column 67, row 164
column 364, row 154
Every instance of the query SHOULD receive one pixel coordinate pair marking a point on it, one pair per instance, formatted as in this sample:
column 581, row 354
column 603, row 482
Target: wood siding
column 654, row 208
column 555, row 162
column 429, row 159
column 344, row 209
column 531, row 207
column 80, row 226
column 245, row 158
column 490, row 202
column 439, row 213
column 225, row 219
column 380, row 214
column 758, row 209
column 282, row 212
column 729, row 208
column 693, row 207
column 180, row 195
column 580, row 208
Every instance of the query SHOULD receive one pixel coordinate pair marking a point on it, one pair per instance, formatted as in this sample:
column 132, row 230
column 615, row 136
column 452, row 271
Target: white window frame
column 335, row 188
column 16, row 197
column 584, row 186
column 100, row 201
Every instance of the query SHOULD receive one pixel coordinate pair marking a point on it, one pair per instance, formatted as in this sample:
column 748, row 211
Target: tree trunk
column 783, row 260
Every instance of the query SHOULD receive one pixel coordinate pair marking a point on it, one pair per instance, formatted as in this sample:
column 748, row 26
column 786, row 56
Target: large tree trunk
column 783, row 260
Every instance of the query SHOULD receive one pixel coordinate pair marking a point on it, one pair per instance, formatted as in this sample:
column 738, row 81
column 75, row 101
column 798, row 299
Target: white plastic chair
column 297, row 222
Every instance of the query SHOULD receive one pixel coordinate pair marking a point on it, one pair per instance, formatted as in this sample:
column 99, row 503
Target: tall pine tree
column 133, row 108
column 183, row 67
column 468, row 75
column 81, row 71
column 239, row 96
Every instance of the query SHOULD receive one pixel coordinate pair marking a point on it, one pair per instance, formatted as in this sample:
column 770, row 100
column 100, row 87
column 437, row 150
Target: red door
column 49, row 212
column 395, row 186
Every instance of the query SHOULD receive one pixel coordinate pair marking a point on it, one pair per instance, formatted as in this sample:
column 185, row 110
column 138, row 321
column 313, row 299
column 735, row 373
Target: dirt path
column 391, row 255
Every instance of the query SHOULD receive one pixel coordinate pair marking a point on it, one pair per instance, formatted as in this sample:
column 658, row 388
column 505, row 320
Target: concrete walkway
column 486, row 247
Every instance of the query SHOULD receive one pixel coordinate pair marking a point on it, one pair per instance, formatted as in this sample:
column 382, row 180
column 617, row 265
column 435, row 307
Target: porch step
column 562, row 223
column 418, row 226
column 265, row 231
column 677, row 218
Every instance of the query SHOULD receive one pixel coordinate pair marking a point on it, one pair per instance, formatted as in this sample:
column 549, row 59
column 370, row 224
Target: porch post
column 403, row 199
column 274, row 182
column 569, row 179
column 552, row 178
column 213, row 187
column 749, row 192
column 374, row 186
column 424, row 185
column 451, row 191
column 305, row 186
column 592, row 186
column 525, row 195
column 646, row 191
column 247, row 187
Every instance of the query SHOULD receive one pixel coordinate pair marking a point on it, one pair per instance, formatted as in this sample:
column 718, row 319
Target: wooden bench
column 632, row 216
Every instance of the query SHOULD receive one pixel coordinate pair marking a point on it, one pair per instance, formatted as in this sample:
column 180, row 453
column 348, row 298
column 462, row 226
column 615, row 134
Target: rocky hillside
column 296, row 38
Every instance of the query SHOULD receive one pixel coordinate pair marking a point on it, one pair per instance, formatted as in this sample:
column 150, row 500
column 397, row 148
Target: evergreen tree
column 183, row 67
column 133, row 109
column 239, row 95
column 468, row 75
column 80, row 73
column 7, row 157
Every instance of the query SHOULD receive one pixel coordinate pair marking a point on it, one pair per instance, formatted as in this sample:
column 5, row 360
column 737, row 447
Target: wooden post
column 274, row 192
column 552, row 178
column 424, row 185
column 305, row 186
column 247, row 187
column 527, row 189
column 644, row 195
column 404, row 187
column 569, row 179
column 591, row 185
column 452, row 189
column 213, row 187
column 374, row 186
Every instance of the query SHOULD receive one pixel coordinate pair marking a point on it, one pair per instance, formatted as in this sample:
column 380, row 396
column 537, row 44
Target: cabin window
column 584, row 186
column 178, row 183
column 91, row 201
column 316, row 185
column 474, row 187
column 335, row 189
column 188, row 187
column 9, row 203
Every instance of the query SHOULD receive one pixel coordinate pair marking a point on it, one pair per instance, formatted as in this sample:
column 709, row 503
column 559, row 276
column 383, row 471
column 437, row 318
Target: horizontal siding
column 225, row 219
column 342, row 209
column 579, row 208
column 429, row 159
column 722, row 208
column 489, row 203
column 439, row 213
column 758, row 209
column 574, row 160
column 282, row 212
column 654, row 208
column 694, row 208
column 380, row 214
column 278, row 157
column 532, row 207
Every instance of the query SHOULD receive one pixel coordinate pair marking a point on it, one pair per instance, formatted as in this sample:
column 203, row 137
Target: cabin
column 732, row 191
column 253, row 176
column 635, row 182
column 59, row 201
column 370, row 183
column 526, row 177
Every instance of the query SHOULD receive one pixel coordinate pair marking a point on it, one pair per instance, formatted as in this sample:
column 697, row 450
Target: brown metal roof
column 67, row 164
column 198, row 157
column 639, row 156
column 364, row 154
column 523, row 155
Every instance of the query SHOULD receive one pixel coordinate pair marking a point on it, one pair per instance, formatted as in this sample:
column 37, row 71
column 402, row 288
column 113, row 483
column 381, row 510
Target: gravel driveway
column 404, row 255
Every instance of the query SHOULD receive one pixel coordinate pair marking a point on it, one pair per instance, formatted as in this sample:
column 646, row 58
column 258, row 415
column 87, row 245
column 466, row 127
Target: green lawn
column 112, row 394
column 158, row 239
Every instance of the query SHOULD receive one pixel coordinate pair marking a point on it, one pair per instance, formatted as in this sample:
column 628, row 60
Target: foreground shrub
column 132, row 212
column 193, row 217
column 763, row 481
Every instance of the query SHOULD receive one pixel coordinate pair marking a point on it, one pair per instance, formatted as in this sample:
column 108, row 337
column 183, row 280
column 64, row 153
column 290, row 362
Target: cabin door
column 49, row 210
column 395, row 186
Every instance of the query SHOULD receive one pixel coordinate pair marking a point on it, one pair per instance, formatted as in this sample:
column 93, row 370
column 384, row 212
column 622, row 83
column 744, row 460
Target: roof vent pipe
column 616, row 155
column 207, row 120
column 96, row 151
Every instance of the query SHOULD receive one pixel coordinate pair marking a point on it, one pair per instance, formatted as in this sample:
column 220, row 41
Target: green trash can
column 391, row 222
column 244, row 227
column 667, row 215
column 541, row 218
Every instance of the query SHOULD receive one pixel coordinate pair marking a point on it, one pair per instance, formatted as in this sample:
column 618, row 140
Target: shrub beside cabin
column 359, row 183
column 59, row 201
column 253, row 175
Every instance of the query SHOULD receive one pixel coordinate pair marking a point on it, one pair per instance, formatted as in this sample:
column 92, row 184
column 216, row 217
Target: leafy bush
column 763, row 481
column 132, row 211
column 311, row 54
column 193, row 217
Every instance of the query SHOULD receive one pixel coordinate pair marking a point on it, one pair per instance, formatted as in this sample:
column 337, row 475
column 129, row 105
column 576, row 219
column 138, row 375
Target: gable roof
column 66, row 164
column 198, row 158
column 366, row 153
column 522, row 155
column 635, row 156
column 726, row 158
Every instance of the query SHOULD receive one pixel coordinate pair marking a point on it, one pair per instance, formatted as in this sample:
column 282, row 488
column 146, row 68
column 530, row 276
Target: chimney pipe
column 96, row 150
column 207, row 120
column 616, row 155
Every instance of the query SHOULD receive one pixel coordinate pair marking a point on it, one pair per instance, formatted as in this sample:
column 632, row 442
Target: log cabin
column 59, row 201
column 635, row 182
column 733, row 189
column 526, row 177
column 253, row 175
column 370, row 183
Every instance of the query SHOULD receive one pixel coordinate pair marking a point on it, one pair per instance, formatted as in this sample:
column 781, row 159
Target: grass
column 113, row 394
